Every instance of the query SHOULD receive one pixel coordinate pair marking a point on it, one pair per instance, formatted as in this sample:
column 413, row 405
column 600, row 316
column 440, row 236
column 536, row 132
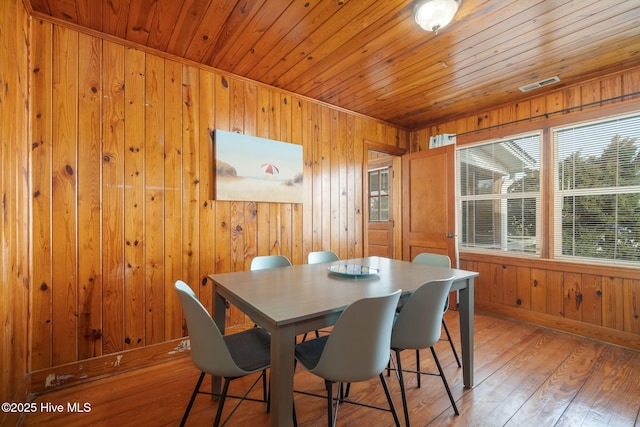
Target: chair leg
column 193, row 398
column 444, row 381
column 304, row 337
column 391, row 405
column 453, row 348
column 403, row 391
column 329, row 385
column 418, row 368
column 223, row 397
column 266, row 390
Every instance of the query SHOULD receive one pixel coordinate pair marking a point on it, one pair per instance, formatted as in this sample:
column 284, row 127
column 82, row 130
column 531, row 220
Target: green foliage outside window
column 602, row 223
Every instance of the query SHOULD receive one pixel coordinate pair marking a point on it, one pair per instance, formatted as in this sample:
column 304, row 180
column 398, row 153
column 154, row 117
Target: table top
column 288, row 295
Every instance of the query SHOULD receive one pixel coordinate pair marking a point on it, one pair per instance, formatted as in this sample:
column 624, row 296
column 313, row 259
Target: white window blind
column 597, row 190
column 499, row 195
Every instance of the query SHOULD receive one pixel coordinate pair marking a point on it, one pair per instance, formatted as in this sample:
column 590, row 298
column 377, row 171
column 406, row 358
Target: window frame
column 503, row 198
column 548, row 169
column 555, row 241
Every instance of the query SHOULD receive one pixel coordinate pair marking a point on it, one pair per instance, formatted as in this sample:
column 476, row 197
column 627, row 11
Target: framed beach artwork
column 257, row 169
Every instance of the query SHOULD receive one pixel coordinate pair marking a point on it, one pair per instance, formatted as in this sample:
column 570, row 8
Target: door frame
column 397, row 202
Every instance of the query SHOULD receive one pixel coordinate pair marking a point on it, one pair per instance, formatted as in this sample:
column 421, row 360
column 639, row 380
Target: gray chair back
column 358, row 347
column 418, row 325
column 435, row 260
column 269, row 261
column 209, row 351
column 322, row 256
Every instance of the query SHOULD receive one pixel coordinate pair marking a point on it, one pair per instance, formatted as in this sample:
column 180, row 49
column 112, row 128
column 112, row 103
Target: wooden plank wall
column 601, row 302
column 14, row 196
column 123, row 190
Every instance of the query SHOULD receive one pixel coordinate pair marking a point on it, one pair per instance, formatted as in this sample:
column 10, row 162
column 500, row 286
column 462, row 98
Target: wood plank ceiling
column 369, row 56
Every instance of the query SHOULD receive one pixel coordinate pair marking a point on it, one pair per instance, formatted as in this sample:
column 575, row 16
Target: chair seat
column 250, row 349
column 308, row 352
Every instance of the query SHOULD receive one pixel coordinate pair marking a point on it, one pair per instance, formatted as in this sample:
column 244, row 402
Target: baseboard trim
column 596, row 332
column 61, row 376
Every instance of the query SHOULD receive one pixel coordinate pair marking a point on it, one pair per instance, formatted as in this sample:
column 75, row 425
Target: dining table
column 293, row 300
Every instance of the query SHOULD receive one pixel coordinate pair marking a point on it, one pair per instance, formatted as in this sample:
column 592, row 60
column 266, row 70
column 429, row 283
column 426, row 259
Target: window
column 499, row 195
column 379, row 194
column 597, row 190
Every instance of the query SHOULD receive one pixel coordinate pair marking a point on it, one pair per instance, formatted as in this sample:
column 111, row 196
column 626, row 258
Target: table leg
column 282, row 370
column 465, row 310
column 220, row 317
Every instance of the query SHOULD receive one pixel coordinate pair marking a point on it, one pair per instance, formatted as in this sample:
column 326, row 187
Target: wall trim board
column 62, row 376
column 384, row 148
column 599, row 333
column 586, row 114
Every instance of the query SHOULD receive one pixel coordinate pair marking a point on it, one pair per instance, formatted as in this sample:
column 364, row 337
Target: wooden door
column 380, row 227
column 429, row 203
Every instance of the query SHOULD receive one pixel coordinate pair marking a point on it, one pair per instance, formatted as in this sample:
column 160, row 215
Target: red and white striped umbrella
column 270, row 168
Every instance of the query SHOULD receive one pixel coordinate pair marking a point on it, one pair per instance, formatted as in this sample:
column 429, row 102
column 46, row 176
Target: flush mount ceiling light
column 433, row 15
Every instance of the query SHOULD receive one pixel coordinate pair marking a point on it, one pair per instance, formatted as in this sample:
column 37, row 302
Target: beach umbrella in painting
column 270, row 168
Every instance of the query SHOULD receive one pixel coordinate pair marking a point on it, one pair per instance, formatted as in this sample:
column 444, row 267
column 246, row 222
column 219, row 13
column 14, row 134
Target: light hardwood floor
column 524, row 376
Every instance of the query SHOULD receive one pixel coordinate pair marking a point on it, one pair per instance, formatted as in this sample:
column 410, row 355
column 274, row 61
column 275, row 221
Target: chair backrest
column 435, row 260
column 358, row 347
column 419, row 322
column 209, row 351
column 269, row 261
column 321, row 256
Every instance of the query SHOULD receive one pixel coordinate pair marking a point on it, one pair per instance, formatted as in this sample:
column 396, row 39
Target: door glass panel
column 379, row 195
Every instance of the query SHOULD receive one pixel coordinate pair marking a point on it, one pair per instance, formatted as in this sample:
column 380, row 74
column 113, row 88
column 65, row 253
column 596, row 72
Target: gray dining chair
column 438, row 260
column 357, row 350
column 318, row 257
column 417, row 326
column 227, row 356
column 265, row 262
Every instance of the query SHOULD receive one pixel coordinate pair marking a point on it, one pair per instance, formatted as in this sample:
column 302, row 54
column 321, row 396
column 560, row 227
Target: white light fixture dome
column 433, row 15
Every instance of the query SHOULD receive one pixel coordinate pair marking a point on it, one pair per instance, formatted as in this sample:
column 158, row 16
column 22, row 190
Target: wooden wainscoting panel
column 631, row 306
column 134, row 154
column 173, row 212
column 64, row 169
column 89, row 154
column 112, row 198
column 41, row 129
column 583, row 299
column 154, row 219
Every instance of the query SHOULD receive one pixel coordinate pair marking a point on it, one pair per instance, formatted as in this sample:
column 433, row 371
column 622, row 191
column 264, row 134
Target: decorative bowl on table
column 353, row 270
